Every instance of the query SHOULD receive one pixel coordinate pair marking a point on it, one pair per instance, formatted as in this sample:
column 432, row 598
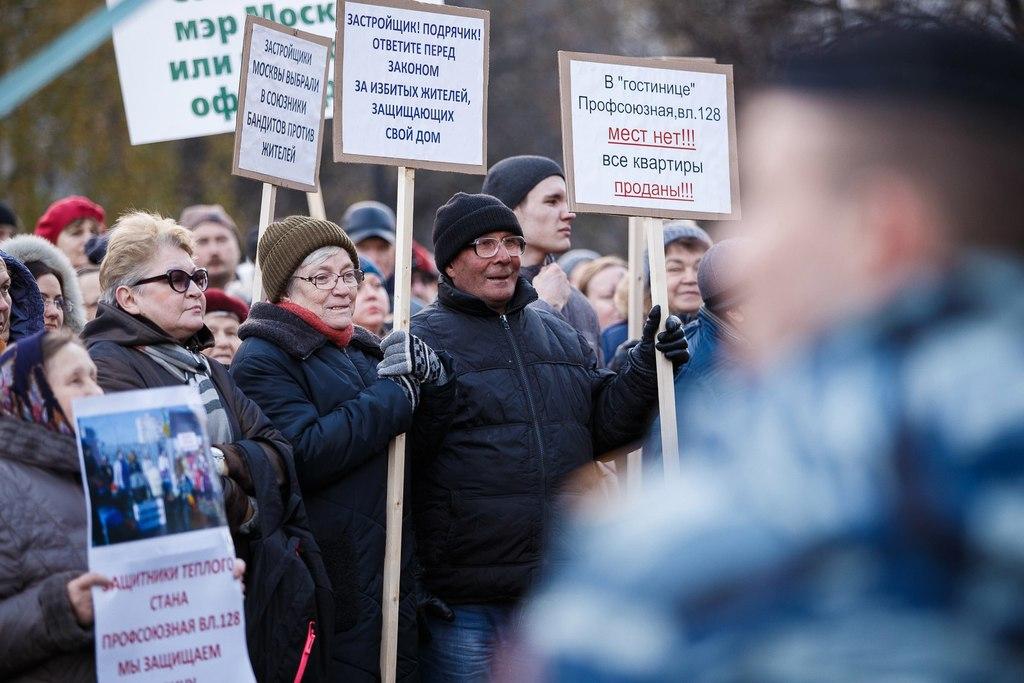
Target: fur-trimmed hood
column 27, row 248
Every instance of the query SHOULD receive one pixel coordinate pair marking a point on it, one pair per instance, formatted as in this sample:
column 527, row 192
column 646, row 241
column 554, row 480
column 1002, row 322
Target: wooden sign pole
column 666, row 388
column 268, row 203
column 636, row 314
column 396, row 452
column 316, row 205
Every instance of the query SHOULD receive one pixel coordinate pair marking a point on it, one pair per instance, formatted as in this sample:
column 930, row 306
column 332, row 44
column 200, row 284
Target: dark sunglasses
column 178, row 279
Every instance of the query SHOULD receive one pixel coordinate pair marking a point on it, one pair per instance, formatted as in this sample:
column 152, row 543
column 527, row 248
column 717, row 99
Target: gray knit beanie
column 287, row 242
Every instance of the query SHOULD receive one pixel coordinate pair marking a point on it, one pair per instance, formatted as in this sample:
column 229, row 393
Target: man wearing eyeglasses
column 532, row 409
column 534, row 188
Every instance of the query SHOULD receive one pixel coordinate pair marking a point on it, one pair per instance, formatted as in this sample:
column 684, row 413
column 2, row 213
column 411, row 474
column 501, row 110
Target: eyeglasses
column 352, row 278
column 486, row 247
column 178, row 279
column 57, row 302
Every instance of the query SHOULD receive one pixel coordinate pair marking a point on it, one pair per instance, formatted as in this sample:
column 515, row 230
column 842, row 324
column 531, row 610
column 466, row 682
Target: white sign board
column 649, row 137
column 282, row 93
column 412, row 85
column 179, row 62
column 158, row 531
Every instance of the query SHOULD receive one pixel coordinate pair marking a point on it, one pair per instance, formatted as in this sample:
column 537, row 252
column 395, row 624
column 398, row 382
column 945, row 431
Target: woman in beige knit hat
column 340, row 395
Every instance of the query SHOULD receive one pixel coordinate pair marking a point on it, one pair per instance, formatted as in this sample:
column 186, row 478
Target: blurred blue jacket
column 857, row 514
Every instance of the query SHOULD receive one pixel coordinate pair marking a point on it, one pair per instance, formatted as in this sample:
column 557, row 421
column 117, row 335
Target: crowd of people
column 848, row 376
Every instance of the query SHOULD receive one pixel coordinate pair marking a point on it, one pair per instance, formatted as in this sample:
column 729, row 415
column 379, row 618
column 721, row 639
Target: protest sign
column 158, row 530
column 649, row 137
column 412, row 85
column 179, row 62
column 281, row 104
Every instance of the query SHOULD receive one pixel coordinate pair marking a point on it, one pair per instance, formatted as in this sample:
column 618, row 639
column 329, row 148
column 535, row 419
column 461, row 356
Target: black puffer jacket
column 532, row 407
column 340, row 417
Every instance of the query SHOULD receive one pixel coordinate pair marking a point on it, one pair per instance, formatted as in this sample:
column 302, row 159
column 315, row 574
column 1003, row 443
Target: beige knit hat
column 287, row 242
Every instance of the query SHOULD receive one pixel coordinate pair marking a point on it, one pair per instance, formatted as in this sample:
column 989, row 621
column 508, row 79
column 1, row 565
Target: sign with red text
column 411, row 85
column 649, row 137
column 278, row 134
column 158, row 531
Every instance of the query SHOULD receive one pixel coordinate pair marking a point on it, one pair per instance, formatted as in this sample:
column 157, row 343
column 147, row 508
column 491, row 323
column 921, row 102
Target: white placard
column 158, row 530
column 280, row 122
column 179, row 62
column 649, row 137
column 412, row 85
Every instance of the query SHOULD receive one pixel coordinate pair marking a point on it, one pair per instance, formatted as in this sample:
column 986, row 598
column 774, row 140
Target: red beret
column 66, row 211
column 219, row 300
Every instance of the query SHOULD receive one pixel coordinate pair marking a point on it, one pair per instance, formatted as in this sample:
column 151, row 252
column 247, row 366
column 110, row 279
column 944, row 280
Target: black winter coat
column 339, row 417
column 277, row 628
column 532, row 407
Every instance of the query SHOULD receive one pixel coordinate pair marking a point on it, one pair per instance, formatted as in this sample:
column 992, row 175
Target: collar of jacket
column 114, row 324
column 720, row 327
column 291, row 333
column 33, row 444
column 451, row 296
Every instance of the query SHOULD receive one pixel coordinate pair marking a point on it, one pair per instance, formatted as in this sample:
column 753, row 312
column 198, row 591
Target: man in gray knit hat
column 534, row 188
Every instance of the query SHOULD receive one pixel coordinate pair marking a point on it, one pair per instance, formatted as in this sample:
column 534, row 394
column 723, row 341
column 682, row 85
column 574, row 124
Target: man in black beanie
column 533, row 407
column 534, row 188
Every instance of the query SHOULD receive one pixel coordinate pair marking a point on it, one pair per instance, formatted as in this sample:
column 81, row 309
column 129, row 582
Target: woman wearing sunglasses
column 149, row 332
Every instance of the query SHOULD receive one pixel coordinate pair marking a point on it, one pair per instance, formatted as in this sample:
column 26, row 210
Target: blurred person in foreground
column 224, row 314
column 534, row 188
column 70, row 223
column 856, row 512
column 531, row 407
column 149, row 332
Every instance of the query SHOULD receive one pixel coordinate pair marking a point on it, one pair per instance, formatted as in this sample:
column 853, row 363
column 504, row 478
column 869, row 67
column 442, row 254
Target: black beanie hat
column 7, row 216
column 466, row 217
column 511, row 179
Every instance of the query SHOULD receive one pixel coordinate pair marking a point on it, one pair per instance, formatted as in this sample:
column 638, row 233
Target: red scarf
column 339, row 338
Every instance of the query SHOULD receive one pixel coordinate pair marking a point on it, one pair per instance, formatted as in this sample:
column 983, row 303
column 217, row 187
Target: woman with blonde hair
column 149, row 332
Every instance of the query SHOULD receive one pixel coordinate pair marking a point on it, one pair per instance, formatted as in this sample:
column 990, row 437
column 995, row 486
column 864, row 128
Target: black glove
column 430, row 605
column 671, row 342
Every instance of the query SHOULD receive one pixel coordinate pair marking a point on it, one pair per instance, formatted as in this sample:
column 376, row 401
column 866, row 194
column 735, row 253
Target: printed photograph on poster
column 147, row 475
column 157, row 529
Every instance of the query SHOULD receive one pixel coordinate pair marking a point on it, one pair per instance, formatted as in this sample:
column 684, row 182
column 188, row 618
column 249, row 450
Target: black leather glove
column 430, row 605
column 671, row 342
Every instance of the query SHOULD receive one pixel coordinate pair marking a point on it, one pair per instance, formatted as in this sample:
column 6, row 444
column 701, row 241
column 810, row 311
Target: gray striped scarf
column 194, row 369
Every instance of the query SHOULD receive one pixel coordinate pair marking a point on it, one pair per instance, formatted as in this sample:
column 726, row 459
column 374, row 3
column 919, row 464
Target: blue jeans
column 463, row 650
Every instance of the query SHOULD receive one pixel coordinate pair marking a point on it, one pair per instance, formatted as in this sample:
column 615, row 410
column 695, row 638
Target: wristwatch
column 219, row 461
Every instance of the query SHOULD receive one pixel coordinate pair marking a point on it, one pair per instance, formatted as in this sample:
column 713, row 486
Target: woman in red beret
column 69, row 223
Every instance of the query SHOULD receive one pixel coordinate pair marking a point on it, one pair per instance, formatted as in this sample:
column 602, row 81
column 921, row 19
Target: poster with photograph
column 158, row 530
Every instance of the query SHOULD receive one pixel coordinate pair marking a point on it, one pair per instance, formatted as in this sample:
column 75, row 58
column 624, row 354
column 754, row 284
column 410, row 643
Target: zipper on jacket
column 533, row 413
column 306, row 650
